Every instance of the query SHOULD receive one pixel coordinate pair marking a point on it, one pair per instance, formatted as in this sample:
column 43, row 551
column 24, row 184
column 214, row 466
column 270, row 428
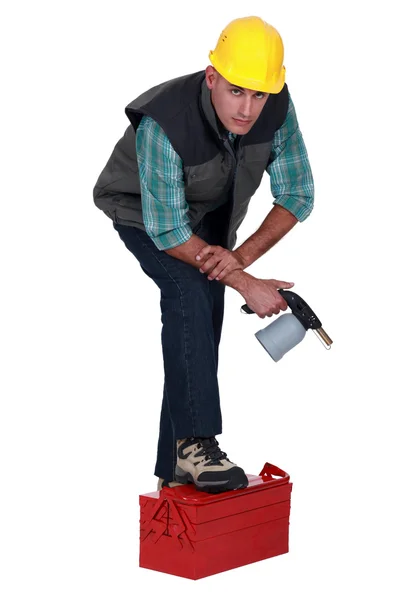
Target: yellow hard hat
column 249, row 54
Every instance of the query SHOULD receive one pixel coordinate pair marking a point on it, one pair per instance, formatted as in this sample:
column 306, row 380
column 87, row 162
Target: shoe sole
column 207, row 486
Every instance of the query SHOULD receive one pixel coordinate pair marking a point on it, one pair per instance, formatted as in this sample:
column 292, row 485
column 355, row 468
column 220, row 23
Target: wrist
column 244, row 261
column 238, row 280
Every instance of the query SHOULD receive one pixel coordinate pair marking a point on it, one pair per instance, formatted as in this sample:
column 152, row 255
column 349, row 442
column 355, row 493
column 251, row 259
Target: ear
column 211, row 77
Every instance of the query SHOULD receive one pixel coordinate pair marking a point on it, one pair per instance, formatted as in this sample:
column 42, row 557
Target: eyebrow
column 237, row 87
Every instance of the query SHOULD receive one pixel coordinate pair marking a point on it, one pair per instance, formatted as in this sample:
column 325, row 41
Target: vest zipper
column 232, row 180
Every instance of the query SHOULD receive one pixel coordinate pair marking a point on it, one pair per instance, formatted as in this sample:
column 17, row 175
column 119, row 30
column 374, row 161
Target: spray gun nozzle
column 323, row 337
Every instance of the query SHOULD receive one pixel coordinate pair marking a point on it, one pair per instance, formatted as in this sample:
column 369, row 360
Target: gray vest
column 214, row 171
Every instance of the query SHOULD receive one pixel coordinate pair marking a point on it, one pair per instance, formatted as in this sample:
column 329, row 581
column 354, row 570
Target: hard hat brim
column 269, row 87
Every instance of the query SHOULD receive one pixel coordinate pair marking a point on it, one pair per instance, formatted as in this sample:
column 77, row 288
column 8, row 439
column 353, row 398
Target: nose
column 245, row 107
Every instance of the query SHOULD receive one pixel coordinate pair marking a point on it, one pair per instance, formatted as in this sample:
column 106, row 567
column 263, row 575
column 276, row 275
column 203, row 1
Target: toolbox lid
column 269, row 477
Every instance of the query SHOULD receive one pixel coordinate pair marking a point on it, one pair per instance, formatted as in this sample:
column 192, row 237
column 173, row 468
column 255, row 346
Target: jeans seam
column 185, row 339
column 173, row 457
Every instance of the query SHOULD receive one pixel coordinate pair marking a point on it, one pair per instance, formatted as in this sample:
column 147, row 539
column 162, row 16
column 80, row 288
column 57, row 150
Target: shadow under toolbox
column 194, row 534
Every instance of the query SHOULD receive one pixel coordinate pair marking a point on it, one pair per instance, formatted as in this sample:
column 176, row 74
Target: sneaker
column 202, row 462
column 162, row 483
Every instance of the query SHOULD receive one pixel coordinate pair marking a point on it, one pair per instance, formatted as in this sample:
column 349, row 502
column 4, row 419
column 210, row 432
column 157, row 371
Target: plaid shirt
column 165, row 210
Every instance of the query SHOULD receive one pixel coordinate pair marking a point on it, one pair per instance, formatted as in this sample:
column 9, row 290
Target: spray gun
column 288, row 330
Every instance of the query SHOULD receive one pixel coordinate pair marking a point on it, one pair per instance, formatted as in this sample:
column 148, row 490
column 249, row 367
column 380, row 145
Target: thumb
column 283, row 284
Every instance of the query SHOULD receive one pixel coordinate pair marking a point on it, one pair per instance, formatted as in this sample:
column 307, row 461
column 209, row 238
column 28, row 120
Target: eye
column 259, row 95
column 236, row 90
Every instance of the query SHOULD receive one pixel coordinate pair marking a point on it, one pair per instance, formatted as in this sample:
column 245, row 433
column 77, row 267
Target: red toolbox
column 194, row 534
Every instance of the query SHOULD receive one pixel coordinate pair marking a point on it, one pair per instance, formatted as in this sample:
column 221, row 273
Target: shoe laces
column 209, row 449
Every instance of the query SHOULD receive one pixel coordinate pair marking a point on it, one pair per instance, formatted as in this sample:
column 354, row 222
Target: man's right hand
column 261, row 295
column 263, row 298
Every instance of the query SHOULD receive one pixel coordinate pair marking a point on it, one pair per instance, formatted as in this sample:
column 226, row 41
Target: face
column 237, row 108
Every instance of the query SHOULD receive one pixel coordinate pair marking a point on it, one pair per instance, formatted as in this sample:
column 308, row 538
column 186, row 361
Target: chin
column 241, row 130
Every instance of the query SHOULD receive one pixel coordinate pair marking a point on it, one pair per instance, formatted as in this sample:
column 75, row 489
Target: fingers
column 204, row 251
column 217, row 272
column 223, row 268
column 219, row 259
column 228, row 269
column 274, row 308
column 210, row 264
column 282, row 284
column 282, row 304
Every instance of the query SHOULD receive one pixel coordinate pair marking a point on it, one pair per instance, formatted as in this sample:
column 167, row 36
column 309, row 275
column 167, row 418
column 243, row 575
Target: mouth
column 241, row 121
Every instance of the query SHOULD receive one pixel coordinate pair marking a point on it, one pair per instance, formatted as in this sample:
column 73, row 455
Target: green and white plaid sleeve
column 164, row 206
column 292, row 183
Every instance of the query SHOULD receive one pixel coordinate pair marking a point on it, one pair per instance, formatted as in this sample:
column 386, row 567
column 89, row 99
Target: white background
column 82, row 376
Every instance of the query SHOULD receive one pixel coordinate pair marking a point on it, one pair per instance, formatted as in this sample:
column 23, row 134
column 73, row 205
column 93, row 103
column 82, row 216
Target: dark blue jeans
column 192, row 310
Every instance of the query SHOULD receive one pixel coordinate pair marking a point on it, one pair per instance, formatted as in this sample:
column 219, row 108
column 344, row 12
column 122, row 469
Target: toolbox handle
column 271, row 472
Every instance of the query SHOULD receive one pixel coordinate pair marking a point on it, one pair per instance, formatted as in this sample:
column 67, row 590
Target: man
column 177, row 187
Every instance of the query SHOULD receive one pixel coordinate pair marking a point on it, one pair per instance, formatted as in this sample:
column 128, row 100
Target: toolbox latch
column 167, row 519
column 270, row 472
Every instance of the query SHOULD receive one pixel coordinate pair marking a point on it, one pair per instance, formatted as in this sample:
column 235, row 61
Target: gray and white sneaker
column 202, row 462
column 164, row 483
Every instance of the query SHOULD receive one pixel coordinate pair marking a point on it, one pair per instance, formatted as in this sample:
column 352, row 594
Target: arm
column 238, row 280
column 275, row 226
column 165, row 215
column 260, row 294
column 165, row 210
column 291, row 185
column 164, row 206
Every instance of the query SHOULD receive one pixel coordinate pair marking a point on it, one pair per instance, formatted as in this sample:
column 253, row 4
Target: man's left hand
column 220, row 263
